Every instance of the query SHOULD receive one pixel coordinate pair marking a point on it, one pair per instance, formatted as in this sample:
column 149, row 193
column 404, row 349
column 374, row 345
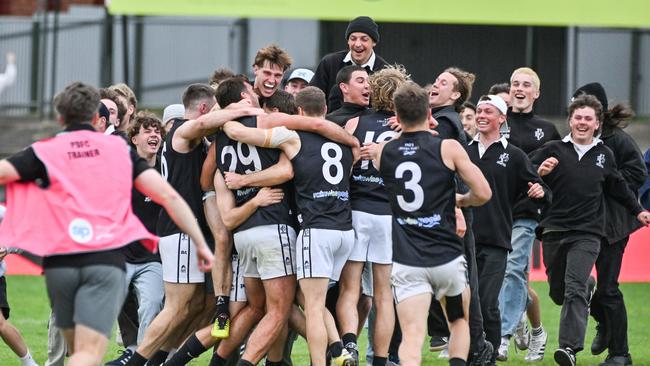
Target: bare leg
column 385, row 318
column 280, row 293
column 459, row 330
column 412, row 313
column 11, row 336
column 533, row 310
column 350, row 290
column 315, row 290
column 172, row 320
column 89, row 346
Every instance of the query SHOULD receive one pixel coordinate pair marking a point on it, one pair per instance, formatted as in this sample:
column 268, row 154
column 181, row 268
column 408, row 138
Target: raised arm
column 320, row 126
column 455, row 158
column 208, row 124
column 151, row 184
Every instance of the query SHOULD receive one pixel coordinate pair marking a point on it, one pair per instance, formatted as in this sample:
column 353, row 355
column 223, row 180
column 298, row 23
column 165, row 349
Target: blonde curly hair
column 383, row 85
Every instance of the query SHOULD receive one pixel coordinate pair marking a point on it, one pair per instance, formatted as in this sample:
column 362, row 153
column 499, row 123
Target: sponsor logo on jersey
column 425, row 222
column 539, row 134
column 80, row 230
column 408, row 149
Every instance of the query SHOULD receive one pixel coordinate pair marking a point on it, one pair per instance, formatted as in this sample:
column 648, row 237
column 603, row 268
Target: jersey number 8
column 332, row 162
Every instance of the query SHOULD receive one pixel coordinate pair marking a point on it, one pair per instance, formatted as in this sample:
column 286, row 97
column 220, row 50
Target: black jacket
column 579, row 188
column 449, row 124
column 529, row 132
column 620, row 223
column 325, row 76
column 347, row 112
column 508, row 171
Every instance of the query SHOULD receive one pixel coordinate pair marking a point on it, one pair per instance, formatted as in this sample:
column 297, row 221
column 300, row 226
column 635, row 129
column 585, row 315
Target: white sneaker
column 502, row 353
column 522, row 335
column 536, row 347
column 444, row 354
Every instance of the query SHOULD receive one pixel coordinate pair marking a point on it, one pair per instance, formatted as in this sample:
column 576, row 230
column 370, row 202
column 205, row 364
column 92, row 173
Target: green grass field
column 30, row 311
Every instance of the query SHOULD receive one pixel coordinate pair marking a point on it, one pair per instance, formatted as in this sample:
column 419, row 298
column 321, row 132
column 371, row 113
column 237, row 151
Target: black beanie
column 364, row 25
column 596, row 90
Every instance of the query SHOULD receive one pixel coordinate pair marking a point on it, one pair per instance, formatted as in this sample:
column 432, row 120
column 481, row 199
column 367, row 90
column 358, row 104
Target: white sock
column 27, row 360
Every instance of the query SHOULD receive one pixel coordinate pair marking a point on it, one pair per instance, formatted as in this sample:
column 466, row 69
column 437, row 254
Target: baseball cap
column 303, row 74
column 173, row 111
column 494, row 100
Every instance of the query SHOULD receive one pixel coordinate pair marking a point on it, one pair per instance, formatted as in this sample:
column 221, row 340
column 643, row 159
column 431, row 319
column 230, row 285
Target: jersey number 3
column 410, row 185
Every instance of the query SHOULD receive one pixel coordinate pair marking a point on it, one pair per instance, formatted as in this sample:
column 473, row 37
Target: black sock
column 349, row 338
column 457, row 362
column 242, row 362
column 158, row 358
column 216, row 360
column 272, row 363
column 222, row 304
column 137, row 360
column 335, row 349
column 191, row 349
column 379, row 361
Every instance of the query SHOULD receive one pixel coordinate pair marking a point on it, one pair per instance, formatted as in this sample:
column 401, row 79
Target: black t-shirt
column 321, row 178
column 234, row 156
column 423, row 200
column 183, row 172
column 367, row 190
column 30, row 168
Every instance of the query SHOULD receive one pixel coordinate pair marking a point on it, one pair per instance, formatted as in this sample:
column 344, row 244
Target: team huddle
column 350, row 196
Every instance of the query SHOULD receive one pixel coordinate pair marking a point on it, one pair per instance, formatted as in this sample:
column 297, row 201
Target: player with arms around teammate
column 321, row 171
column 418, row 169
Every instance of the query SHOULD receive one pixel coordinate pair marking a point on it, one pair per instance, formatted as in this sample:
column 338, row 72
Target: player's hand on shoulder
column 394, row 124
column 268, row 196
column 368, row 150
column 433, row 124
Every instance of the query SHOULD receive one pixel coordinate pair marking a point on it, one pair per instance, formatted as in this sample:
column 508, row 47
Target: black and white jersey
column 321, row 172
column 367, row 190
column 234, row 156
column 183, row 172
column 422, row 198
